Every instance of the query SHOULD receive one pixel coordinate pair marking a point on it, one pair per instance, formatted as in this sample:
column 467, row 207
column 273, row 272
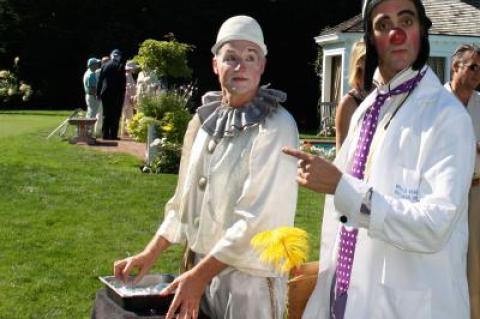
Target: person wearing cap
column 394, row 232
column 234, row 182
column 131, row 67
column 465, row 69
column 90, row 87
column 111, row 89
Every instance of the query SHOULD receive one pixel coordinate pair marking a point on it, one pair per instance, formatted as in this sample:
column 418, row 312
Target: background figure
column 465, row 78
column 99, row 123
column 90, row 87
column 130, row 93
column 147, row 84
column 111, row 89
column 348, row 104
column 395, row 224
column 234, row 182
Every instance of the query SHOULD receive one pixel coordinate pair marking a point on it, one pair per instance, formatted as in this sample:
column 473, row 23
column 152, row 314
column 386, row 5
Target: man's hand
column 143, row 262
column 315, row 172
column 189, row 288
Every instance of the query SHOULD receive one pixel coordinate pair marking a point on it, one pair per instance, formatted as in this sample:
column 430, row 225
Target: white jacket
column 410, row 258
column 473, row 109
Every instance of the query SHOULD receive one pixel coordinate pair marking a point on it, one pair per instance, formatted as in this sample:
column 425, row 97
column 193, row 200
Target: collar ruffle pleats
column 220, row 120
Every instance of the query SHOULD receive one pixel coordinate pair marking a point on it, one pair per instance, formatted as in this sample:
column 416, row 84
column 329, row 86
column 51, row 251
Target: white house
column 455, row 22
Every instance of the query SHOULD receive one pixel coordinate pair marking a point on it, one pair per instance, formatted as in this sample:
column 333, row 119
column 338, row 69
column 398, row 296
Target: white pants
column 127, row 115
column 92, row 105
column 233, row 294
column 99, row 123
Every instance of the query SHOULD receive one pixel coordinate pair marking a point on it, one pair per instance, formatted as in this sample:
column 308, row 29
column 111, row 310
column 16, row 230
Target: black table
column 106, row 308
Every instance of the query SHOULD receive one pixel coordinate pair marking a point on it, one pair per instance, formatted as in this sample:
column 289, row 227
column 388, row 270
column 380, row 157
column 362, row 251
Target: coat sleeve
column 171, row 227
column 101, row 76
column 423, row 222
column 269, row 194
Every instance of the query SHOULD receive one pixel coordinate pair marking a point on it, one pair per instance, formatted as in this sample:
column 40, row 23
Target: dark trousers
column 112, row 110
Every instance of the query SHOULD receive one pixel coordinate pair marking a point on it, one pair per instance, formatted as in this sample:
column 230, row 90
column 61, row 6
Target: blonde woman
column 354, row 97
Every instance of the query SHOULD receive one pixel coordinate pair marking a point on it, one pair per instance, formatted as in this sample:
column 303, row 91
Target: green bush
column 166, row 58
column 168, row 159
column 138, row 126
column 170, row 111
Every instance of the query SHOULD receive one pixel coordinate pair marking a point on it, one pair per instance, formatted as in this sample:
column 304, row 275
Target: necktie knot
column 404, row 87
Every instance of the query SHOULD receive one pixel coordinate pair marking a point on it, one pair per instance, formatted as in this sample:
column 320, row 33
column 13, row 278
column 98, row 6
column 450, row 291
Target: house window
column 438, row 66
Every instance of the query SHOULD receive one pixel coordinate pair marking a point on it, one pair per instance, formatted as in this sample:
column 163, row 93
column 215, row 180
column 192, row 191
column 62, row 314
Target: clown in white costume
column 234, row 182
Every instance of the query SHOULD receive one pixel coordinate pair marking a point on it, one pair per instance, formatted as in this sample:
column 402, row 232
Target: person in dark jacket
column 111, row 90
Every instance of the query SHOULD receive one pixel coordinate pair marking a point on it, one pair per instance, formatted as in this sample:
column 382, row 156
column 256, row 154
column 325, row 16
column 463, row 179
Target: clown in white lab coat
column 410, row 203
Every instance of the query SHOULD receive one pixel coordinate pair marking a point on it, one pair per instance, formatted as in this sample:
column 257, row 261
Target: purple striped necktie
column 348, row 238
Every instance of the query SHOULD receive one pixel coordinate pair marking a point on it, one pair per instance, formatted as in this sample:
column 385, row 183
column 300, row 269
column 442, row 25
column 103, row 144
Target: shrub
column 168, row 159
column 166, row 58
column 169, row 110
column 138, row 126
column 11, row 87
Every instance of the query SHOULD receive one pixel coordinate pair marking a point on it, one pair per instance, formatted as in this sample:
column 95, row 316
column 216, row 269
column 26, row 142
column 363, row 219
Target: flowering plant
column 328, row 154
column 168, row 158
column 11, row 86
column 138, row 126
column 168, row 110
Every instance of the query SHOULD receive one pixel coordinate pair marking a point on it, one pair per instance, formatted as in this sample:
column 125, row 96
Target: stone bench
column 84, row 133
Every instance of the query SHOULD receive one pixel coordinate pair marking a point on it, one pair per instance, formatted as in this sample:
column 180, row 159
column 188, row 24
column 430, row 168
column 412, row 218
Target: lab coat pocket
column 394, row 303
column 406, row 184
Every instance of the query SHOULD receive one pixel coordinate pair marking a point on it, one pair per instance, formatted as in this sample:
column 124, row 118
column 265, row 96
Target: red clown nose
column 397, row 36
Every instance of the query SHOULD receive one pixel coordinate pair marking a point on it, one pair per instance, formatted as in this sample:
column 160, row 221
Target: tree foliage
column 55, row 38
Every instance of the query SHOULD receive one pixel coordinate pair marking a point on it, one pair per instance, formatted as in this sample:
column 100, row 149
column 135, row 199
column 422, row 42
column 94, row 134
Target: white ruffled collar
column 220, row 120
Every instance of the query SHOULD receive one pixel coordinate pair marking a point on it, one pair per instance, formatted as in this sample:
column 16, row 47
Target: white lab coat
column 410, row 258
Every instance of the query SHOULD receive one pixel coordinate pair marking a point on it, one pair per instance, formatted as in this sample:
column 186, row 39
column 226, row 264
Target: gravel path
column 125, row 145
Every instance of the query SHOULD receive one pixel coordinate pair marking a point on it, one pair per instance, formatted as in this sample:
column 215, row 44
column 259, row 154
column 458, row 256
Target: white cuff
column 172, row 229
column 348, row 199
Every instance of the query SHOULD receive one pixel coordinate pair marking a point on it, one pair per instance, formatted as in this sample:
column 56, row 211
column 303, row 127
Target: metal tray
column 143, row 298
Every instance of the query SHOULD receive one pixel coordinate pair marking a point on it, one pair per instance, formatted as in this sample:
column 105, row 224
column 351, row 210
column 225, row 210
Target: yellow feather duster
column 284, row 247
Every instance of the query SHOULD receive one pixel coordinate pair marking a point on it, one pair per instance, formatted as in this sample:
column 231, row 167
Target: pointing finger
column 296, row 153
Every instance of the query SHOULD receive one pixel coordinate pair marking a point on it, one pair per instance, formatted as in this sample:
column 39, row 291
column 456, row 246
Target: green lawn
column 68, row 212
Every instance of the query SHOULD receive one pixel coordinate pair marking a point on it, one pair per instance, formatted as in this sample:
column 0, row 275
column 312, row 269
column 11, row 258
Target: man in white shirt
column 394, row 232
column 90, row 87
column 465, row 78
column 234, row 182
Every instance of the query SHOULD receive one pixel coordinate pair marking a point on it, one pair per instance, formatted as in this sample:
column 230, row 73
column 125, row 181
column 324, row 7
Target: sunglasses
column 473, row 67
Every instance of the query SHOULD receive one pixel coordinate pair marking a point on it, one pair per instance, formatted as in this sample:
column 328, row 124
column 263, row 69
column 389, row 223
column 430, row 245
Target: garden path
column 125, row 145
